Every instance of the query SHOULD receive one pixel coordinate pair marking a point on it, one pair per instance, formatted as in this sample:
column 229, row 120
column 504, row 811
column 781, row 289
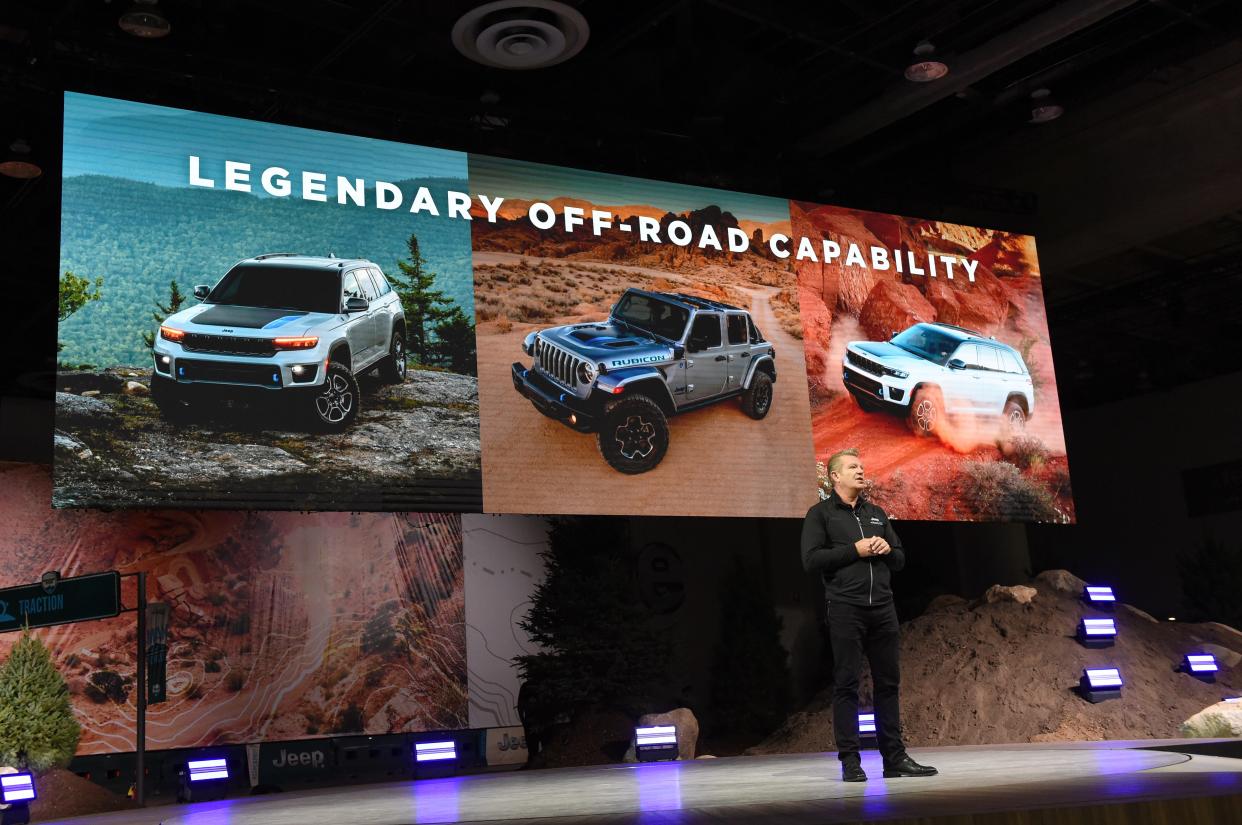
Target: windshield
column 280, row 287
column 928, row 343
column 651, row 315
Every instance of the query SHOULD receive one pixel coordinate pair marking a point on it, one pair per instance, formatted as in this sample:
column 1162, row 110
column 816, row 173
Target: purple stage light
column 202, row 770
column 654, row 743
column 1201, row 666
column 16, row 787
column 1097, row 632
column 866, row 724
column 1099, row 597
column 435, row 751
column 1100, row 683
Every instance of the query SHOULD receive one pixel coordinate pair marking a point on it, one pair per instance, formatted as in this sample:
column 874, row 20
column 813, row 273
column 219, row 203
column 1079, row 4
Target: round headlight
column 586, row 372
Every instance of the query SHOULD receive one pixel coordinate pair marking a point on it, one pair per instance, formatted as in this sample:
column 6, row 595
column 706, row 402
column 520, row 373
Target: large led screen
column 258, row 315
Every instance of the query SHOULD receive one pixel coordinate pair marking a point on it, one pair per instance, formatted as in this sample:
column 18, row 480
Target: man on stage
column 852, row 544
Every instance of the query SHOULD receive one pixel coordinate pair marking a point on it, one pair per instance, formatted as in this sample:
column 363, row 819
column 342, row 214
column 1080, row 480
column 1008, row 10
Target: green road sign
column 60, row 601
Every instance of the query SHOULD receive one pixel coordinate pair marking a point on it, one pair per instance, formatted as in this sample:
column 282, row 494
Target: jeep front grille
column 227, row 344
column 873, row 367
column 558, row 364
column 864, row 383
column 258, row 375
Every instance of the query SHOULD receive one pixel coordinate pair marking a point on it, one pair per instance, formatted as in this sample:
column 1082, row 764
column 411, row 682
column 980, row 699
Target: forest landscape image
column 136, row 238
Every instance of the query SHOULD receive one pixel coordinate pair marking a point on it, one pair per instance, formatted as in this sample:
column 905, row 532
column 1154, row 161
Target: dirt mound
column 978, row 673
column 64, row 794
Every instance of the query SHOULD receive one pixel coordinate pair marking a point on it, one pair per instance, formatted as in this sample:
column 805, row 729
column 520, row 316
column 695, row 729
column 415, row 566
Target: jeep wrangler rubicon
column 285, row 326
column 657, row 354
column 932, row 370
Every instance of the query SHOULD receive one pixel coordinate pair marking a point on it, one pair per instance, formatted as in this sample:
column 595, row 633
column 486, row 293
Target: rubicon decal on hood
column 641, row 359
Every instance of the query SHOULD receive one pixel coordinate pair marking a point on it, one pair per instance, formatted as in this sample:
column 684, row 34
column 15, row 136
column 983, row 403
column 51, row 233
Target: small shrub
column 1026, row 452
column 503, row 324
column 235, row 681
column 997, row 491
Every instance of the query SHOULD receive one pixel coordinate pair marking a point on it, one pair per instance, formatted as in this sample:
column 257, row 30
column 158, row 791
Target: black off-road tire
column 1014, row 418
column 757, row 399
column 170, row 400
column 926, row 411
column 393, row 368
column 633, row 434
column 333, row 406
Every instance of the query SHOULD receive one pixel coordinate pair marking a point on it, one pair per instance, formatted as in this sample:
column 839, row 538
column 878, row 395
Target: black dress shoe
column 853, row 772
column 908, row 767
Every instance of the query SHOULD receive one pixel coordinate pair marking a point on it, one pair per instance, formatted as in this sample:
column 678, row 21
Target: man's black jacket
column 828, row 535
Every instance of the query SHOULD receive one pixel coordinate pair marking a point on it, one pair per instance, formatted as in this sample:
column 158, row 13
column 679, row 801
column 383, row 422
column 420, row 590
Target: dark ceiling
column 798, row 99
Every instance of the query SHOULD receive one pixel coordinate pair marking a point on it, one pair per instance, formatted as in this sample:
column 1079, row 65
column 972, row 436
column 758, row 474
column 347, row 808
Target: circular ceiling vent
column 521, row 34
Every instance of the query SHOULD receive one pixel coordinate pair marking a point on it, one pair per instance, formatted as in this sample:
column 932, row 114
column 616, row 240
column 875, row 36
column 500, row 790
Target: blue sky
column 149, row 143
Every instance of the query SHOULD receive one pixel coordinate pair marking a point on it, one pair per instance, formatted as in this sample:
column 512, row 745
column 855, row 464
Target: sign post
column 60, row 601
column 141, row 665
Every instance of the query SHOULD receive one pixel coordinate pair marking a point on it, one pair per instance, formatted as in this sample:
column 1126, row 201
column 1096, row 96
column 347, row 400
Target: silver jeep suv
column 658, row 354
column 929, row 371
column 283, row 326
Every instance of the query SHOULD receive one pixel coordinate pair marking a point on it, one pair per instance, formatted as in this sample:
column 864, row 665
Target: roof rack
column 702, row 303
column 267, row 255
column 973, row 332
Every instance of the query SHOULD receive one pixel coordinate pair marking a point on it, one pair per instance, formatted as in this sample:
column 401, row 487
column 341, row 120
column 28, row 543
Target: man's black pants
column 855, row 631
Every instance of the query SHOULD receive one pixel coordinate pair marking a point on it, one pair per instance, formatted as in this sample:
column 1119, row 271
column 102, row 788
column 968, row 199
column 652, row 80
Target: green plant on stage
column 750, row 674
column 35, row 715
column 596, row 646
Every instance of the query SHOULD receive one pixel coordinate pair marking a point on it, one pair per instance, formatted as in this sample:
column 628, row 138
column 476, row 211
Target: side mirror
column 957, row 364
column 679, row 352
column 202, row 291
column 356, row 304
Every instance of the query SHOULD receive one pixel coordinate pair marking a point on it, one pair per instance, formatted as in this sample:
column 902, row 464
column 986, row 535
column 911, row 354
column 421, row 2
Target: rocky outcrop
column 1221, row 720
column 115, row 449
column 1017, row 593
column 1003, row 672
column 892, row 307
column 977, row 310
column 1061, row 580
column 687, row 730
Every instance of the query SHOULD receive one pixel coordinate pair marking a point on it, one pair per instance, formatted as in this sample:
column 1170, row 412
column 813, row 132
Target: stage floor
column 801, row 788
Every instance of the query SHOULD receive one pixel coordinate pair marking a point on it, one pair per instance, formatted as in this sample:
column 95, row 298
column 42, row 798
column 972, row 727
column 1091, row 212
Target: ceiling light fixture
column 1043, row 108
column 17, row 162
column 926, row 67
column 521, row 34
column 144, row 19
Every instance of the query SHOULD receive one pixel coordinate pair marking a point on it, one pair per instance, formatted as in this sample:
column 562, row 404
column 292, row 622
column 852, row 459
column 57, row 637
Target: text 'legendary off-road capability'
column 658, row 354
column 283, row 326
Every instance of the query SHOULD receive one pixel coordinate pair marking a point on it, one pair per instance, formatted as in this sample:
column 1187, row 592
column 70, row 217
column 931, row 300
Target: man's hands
column 874, row 546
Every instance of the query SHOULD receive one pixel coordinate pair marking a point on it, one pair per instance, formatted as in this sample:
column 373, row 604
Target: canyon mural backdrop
column 283, row 625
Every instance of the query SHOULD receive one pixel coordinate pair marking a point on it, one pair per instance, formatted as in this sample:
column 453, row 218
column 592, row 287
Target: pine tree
column 35, row 715
column 425, row 307
column 597, row 649
column 175, row 300
column 750, row 674
column 75, row 293
column 456, row 345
